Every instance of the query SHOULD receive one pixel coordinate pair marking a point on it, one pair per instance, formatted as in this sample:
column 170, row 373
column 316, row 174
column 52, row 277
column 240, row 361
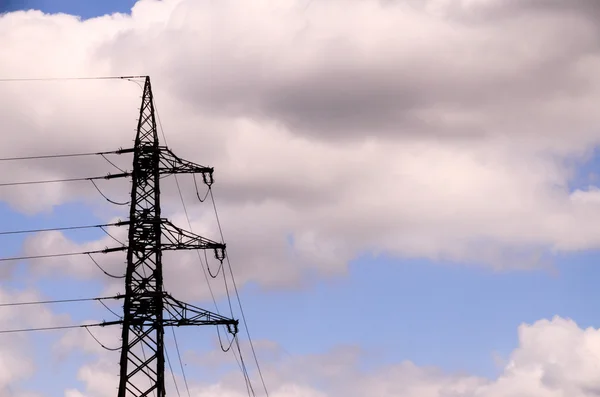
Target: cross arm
column 176, row 238
column 172, row 164
column 181, row 313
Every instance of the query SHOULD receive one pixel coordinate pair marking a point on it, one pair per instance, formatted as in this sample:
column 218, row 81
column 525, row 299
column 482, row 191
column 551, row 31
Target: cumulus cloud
column 436, row 129
column 17, row 352
column 554, row 358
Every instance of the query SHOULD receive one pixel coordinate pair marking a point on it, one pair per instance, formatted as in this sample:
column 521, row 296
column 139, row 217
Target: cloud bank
column 554, row 358
column 436, row 129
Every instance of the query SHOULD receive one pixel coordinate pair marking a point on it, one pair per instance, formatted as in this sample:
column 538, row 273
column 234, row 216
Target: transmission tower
column 147, row 307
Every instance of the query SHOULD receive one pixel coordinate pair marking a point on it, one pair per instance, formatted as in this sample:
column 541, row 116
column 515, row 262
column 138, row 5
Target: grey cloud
column 432, row 118
column 512, row 8
column 348, row 94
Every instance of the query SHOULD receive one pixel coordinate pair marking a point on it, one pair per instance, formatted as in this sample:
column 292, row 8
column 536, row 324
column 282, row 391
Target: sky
column 408, row 190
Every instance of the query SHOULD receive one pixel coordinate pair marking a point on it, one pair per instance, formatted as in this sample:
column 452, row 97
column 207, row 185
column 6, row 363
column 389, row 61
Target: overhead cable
column 238, row 297
column 19, row 258
column 53, row 156
column 8, row 80
column 102, row 269
column 204, row 271
column 46, row 302
column 106, row 198
column 114, row 349
column 171, row 370
column 61, row 228
column 181, row 362
column 13, row 331
column 109, row 176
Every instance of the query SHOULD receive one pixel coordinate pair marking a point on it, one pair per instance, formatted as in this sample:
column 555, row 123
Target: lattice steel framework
column 147, row 308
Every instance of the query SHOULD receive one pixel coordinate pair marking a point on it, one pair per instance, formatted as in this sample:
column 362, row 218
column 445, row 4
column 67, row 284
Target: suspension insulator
column 220, row 254
column 208, row 178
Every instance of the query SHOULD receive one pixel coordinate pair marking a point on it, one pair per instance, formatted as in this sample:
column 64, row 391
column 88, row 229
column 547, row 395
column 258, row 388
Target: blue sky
column 454, row 316
column 84, row 9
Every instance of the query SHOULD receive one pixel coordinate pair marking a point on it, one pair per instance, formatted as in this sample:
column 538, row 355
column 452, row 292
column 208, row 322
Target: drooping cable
column 238, row 298
column 105, row 197
column 114, row 349
column 111, row 163
column 225, row 350
column 191, row 230
column 188, row 218
column 197, row 190
column 104, row 271
column 111, row 236
column 208, row 266
column 110, row 310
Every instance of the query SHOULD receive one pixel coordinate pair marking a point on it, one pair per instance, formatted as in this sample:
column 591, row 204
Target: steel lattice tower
column 147, row 307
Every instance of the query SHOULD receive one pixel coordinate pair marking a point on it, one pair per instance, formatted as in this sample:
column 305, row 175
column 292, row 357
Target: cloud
column 436, row 130
column 554, row 358
column 17, row 359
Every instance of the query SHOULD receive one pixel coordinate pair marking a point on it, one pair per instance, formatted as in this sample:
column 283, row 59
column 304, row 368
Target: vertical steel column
column 142, row 354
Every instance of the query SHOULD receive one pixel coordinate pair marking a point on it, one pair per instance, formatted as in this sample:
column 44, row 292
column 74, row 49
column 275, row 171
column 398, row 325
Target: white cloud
column 554, row 358
column 431, row 128
column 390, row 128
column 16, row 358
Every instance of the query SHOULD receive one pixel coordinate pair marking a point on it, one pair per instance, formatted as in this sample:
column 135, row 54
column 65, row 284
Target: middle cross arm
column 176, row 238
column 181, row 313
column 172, row 164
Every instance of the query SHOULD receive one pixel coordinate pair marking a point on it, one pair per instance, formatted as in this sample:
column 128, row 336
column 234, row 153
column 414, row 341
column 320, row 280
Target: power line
column 145, row 193
column 109, row 176
column 238, row 298
column 181, row 362
column 197, row 192
column 221, row 342
column 249, row 384
column 249, row 387
column 19, row 258
column 106, row 198
column 190, row 225
column 111, row 163
column 7, row 80
column 172, row 373
column 60, row 228
column 40, row 182
column 198, row 253
column 110, row 310
column 54, row 156
column 114, row 349
column 104, row 271
column 208, row 267
column 13, row 331
column 111, row 236
column 46, row 302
